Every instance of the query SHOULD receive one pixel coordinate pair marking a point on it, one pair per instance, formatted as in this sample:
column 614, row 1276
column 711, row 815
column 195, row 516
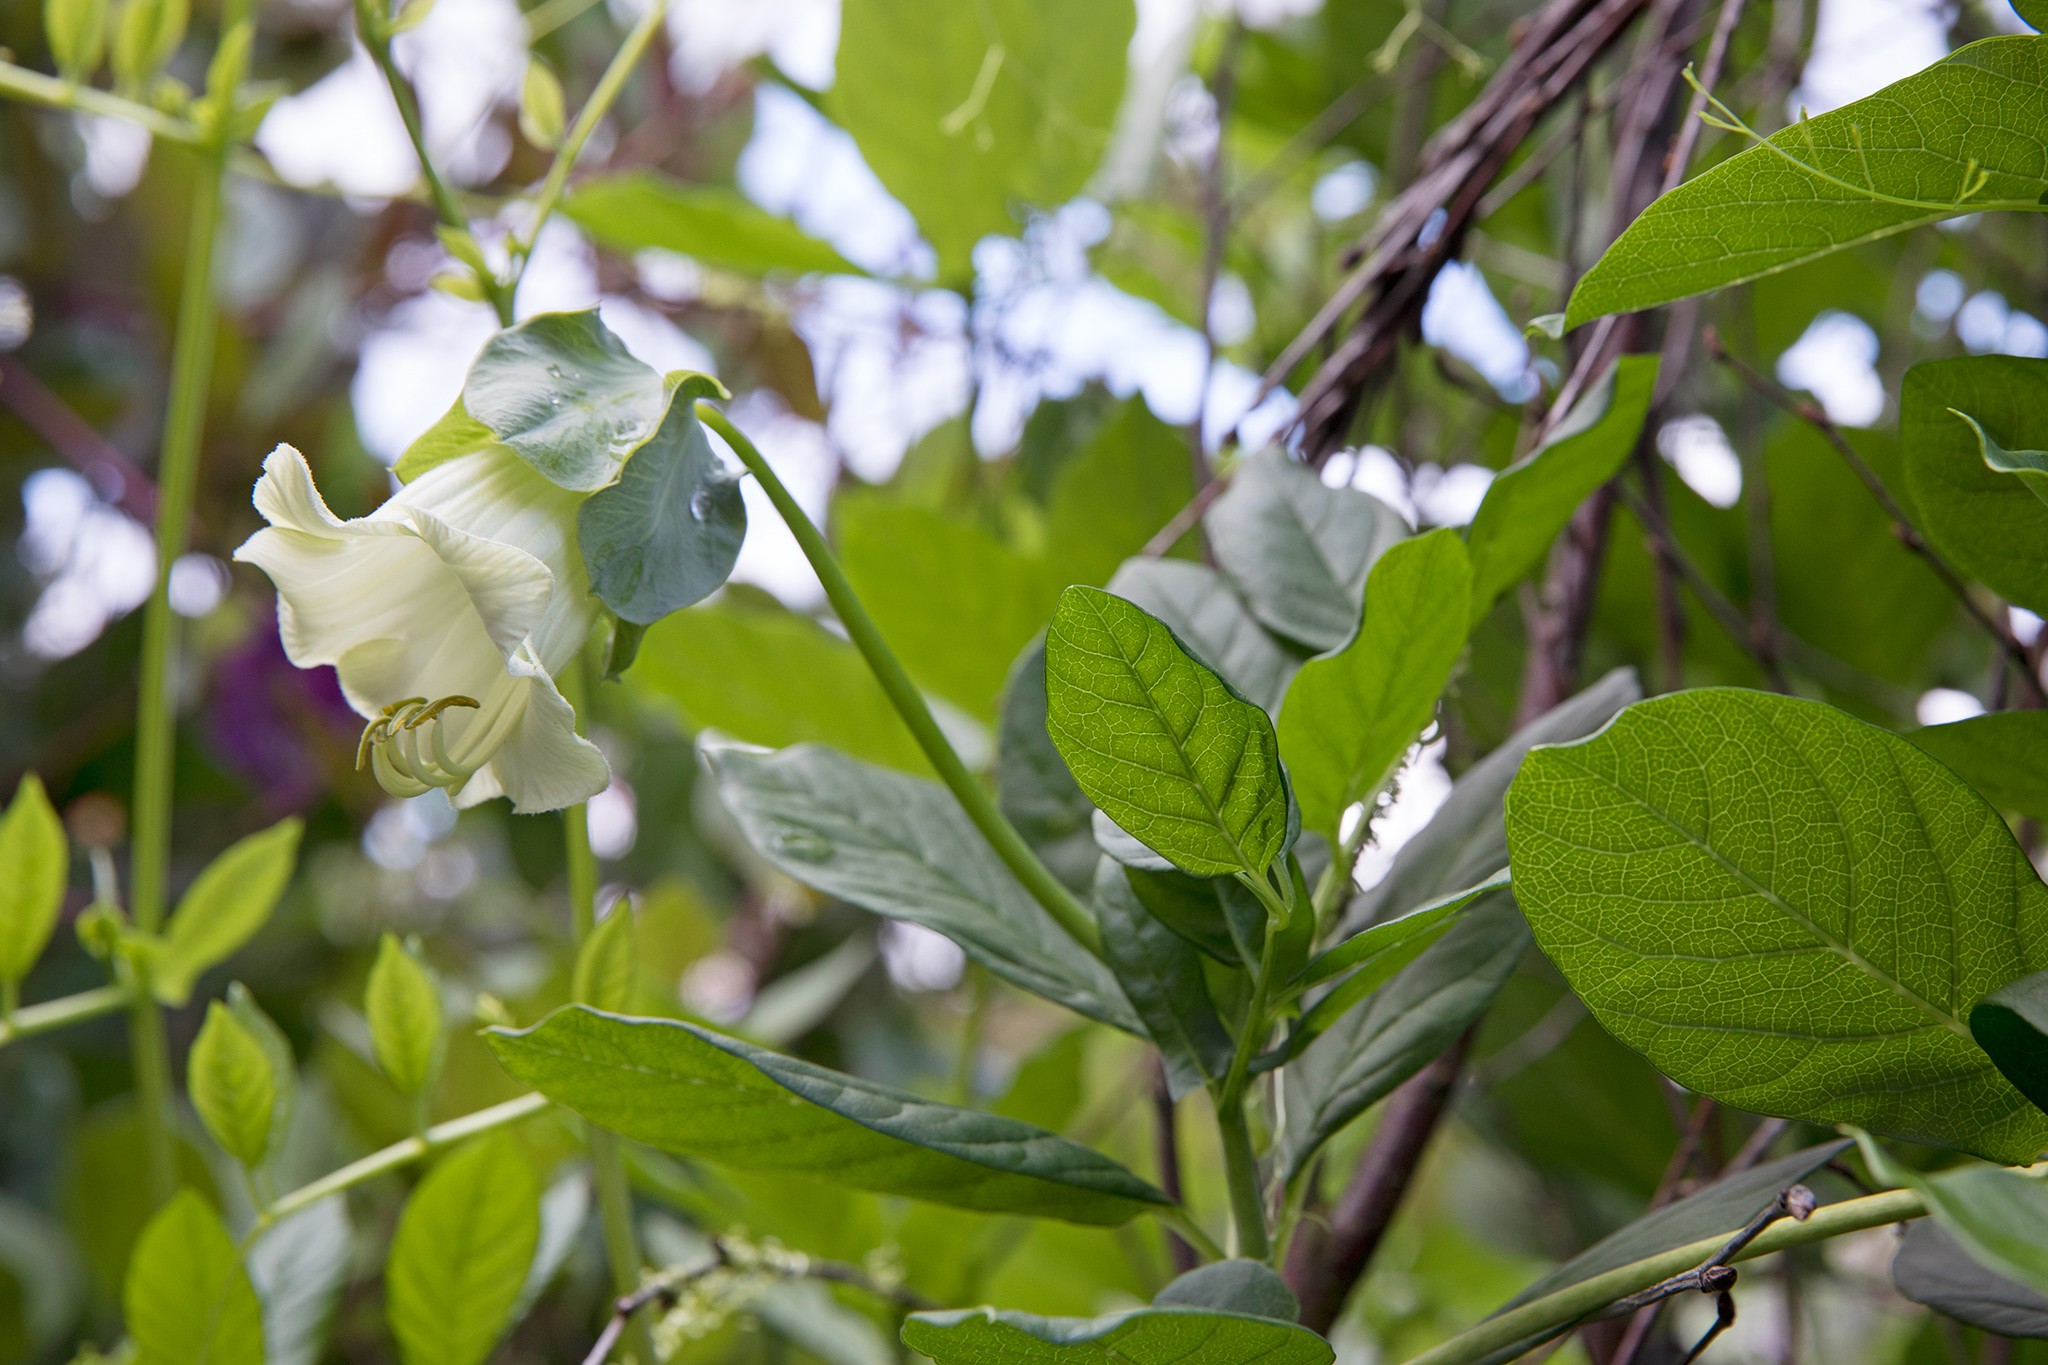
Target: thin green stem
column 1240, row 1162
column 150, row 1057
column 1002, row 836
column 28, row 1021
column 1191, row 1232
column 33, row 87
column 1539, row 1318
column 402, row 1154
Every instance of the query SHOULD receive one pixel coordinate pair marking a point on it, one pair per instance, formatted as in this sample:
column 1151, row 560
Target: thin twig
column 1166, row 1152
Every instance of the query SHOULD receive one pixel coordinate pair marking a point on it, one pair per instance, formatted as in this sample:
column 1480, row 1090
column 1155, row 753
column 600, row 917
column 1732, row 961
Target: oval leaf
column 2004, row 755
column 187, row 1299
column 1988, row 523
column 1233, row 1286
column 1182, row 1336
column 460, row 1256
column 563, row 392
column 403, row 1006
column 1933, row 1268
column 713, row 224
column 231, row 1085
column 35, row 863
column 226, row 904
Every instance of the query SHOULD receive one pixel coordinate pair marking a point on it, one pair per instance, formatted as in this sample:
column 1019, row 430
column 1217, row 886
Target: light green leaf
column 231, row 1086
column 2030, row 467
column 76, row 31
column 146, row 35
column 2011, row 1025
column 403, row 1006
column 712, row 224
column 1159, row 742
column 35, row 864
column 456, row 433
column 668, row 532
column 1201, row 607
column 187, row 1299
column 2004, row 755
column 565, row 395
column 1933, row 1268
column 224, row 907
column 1161, row 973
column 1999, row 1217
column 1986, row 522
column 298, row 1268
column 902, row 847
column 1036, row 792
column 1349, row 718
column 1533, row 498
column 1298, row 551
column 1169, row 1336
column 686, row 1089
column 1233, row 1286
column 541, row 113
column 460, row 1255
column 1786, row 909
column 994, row 105
column 606, row 963
column 1962, row 136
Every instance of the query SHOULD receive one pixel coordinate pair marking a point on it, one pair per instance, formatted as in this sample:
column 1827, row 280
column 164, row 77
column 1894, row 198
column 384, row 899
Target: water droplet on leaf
column 803, row 845
column 700, row 504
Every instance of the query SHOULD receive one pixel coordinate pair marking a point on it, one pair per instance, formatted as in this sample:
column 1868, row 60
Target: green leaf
column 1962, row 136
column 2035, row 12
column 1159, row 742
column 2011, row 1025
column 541, row 114
column 76, row 31
column 456, row 433
column 1987, row 523
column 1170, row 1336
column 668, row 532
column 1233, row 1286
column 299, row 1267
column 460, row 1255
column 226, row 904
column 606, row 963
column 1033, row 787
column 2004, row 755
column 1533, row 498
column 277, row 1052
column 902, row 847
column 231, row 1085
column 992, row 104
column 1161, row 973
column 1997, row 1216
column 686, row 1089
column 1128, row 478
column 1298, row 551
column 146, row 35
column 35, row 864
column 1786, row 909
column 187, row 1300
column 1216, row 914
column 565, row 395
column 1213, row 623
column 2030, row 467
column 1349, row 718
column 1932, row 1267
column 403, row 1006
column 715, row 225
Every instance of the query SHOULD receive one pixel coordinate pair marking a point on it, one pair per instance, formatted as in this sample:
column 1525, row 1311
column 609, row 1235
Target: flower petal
column 543, row 764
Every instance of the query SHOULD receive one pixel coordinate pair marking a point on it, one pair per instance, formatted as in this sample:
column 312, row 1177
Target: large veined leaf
column 1962, row 136
column 1297, row 550
column 2011, row 1025
column 1786, row 909
column 712, row 224
column 1986, row 522
column 2003, row 754
column 1349, row 717
column 1155, row 1336
column 1161, row 972
column 1933, row 1268
column 461, row 1254
column 1533, row 498
column 965, row 110
column 902, row 847
column 686, row 1089
column 1213, row 621
column 1159, row 742
column 187, row 1299
column 563, row 392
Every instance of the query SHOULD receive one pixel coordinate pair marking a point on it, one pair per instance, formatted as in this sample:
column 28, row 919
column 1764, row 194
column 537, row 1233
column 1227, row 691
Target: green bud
column 76, row 31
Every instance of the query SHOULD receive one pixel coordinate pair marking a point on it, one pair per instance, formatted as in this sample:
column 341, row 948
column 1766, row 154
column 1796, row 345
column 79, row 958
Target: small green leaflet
column 1168, row 1336
column 224, row 907
column 403, row 1006
column 2011, row 1024
column 1349, row 717
column 1962, row 136
column 1988, row 523
column 187, row 1300
column 715, row 225
column 606, row 962
column 2003, row 754
column 563, row 393
column 1160, row 743
column 35, row 864
column 2030, row 467
column 277, row 1054
column 688, row 1090
column 461, row 1253
column 1533, row 498
column 1786, row 909
column 1161, row 973
column 228, row 1076
column 1996, row 1215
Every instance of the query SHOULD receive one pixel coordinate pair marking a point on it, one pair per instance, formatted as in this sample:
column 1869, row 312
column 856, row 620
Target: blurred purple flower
column 279, row 727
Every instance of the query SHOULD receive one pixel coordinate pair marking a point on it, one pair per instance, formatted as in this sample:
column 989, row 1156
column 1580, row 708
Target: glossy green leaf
column 1998, row 1216
column 1161, row 973
column 902, row 847
column 1159, row 742
column 606, row 963
column 1232, row 1286
column 668, row 532
column 1298, row 551
column 1033, row 787
column 1933, row 1268
column 298, row 1268
column 403, row 1005
column 1962, row 136
column 686, row 1089
column 35, row 864
column 563, row 393
column 460, row 1255
column 1214, row 622
column 712, row 224
column 229, row 1078
column 1156, row 1336
column 1533, row 499
column 187, row 1299
column 1349, row 717
column 993, row 104
column 1786, row 909
column 2004, row 755
column 1987, row 523
column 2011, row 1025
column 223, row 908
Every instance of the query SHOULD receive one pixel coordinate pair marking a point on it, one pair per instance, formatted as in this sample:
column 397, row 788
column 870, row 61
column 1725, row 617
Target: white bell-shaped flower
column 447, row 612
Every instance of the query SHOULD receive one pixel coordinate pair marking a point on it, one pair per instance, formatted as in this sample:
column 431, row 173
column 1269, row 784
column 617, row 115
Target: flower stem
column 1002, row 836
column 28, row 1021
column 33, row 87
column 1240, row 1162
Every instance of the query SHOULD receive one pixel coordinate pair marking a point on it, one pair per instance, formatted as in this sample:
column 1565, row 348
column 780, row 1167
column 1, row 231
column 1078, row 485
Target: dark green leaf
column 2004, row 755
column 35, row 865
column 2011, row 1024
column 226, row 904
column 1987, row 523
column 1216, row 914
column 686, row 1089
column 1212, row 620
column 1932, row 1267
column 1962, row 136
column 1997, row 1215
column 1161, row 973
column 1156, row 1336
column 229, row 1078
column 1160, row 743
column 2030, row 467
column 1233, row 1286
column 460, row 1255
column 187, row 1300
column 2035, row 12
column 562, row 392
column 1349, row 718
column 713, row 224
column 1036, row 792
column 1298, row 551
column 668, row 532
column 1786, row 909
column 902, row 847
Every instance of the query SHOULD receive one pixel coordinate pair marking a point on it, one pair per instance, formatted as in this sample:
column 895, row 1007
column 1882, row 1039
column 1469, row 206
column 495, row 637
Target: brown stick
column 1166, row 1152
